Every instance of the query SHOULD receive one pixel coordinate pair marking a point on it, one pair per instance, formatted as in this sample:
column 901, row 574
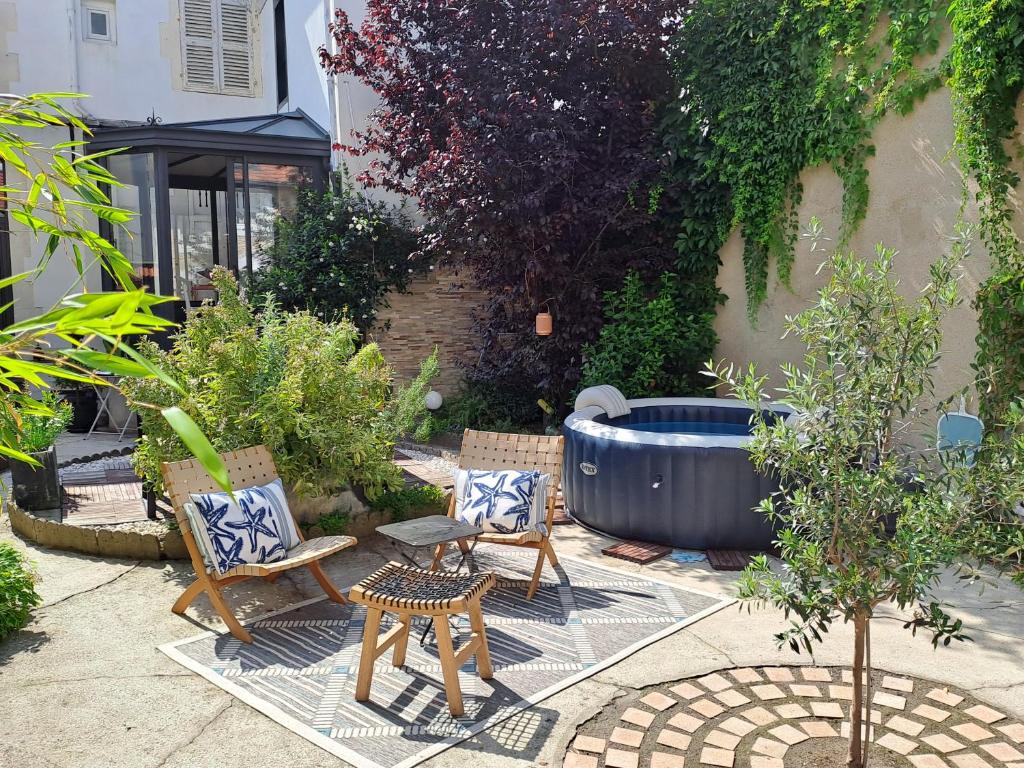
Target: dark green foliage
column 424, row 499
column 42, row 423
column 333, row 524
column 327, row 408
column 508, row 406
column 771, row 87
column 17, row 590
column 339, row 255
column 649, row 346
column 987, row 64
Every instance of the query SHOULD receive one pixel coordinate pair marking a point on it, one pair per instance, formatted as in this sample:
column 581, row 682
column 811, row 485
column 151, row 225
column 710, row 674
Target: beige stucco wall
column 915, row 198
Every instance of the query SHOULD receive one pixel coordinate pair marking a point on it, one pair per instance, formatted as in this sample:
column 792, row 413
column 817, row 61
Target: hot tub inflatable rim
column 582, row 421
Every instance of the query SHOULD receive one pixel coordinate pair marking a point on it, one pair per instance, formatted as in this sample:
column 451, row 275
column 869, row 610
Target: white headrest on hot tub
column 606, row 397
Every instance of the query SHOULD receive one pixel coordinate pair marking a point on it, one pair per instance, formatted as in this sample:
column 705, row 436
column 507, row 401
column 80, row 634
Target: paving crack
column 90, row 589
column 63, row 680
column 194, row 737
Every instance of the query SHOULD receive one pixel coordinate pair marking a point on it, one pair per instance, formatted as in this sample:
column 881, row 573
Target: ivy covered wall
column 915, row 198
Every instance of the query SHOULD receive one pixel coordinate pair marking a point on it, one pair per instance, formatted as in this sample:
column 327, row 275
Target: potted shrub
column 37, row 487
column 82, row 399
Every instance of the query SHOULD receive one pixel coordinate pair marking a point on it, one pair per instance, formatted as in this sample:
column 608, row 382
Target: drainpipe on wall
column 335, row 88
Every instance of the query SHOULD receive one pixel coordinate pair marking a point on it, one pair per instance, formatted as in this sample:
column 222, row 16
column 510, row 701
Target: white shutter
column 217, row 46
column 236, row 48
column 200, row 46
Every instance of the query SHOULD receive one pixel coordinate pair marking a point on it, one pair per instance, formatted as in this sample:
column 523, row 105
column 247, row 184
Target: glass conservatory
column 208, row 193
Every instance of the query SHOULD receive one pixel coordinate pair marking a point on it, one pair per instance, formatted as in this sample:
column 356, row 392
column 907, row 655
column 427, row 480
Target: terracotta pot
column 544, row 324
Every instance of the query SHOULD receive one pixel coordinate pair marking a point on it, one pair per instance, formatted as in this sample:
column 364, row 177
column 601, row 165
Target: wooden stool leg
column 368, row 654
column 446, row 652
column 402, row 643
column 483, row 655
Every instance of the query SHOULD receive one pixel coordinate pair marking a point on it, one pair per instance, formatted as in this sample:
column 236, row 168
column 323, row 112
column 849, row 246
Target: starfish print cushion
column 255, row 526
column 501, row 501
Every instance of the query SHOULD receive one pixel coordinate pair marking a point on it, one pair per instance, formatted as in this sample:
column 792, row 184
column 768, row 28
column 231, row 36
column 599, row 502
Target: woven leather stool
column 409, row 592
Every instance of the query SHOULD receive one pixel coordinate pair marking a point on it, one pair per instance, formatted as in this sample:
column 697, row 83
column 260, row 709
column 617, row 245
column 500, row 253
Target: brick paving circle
column 752, row 716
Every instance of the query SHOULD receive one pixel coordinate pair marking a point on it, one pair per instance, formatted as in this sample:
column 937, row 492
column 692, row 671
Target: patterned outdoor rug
column 301, row 668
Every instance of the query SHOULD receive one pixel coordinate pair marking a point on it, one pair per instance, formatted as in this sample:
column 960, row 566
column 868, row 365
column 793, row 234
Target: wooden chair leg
column 402, row 643
column 272, row 577
column 327, row 584
column 535, row 582
column 550, row 552
column 483, row 654
column 225, row 613
column 194, row 590
column 368, row 654
column 439, row 555
column 463, row 546
column 446, row 652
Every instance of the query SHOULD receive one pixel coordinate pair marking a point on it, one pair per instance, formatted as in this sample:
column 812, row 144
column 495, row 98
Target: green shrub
column 327, row 410
column 485, row 405
column 17, row 591
column 40, row 429
column 647, row 347
column 424, row 498
column 339, row 255
column 332, row 524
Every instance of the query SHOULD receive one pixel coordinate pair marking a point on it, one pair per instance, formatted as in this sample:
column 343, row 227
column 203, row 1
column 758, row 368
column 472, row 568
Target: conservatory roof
column 288, row 133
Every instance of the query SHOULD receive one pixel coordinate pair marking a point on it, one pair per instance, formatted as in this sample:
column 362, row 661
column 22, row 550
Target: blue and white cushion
column 501, row 501
column 253, row 527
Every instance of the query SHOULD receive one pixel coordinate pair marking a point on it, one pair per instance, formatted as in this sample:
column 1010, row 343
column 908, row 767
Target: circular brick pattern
column 752, row 717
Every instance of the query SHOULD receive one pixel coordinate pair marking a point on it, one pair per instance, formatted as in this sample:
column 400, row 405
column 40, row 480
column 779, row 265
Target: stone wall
column 438, row 310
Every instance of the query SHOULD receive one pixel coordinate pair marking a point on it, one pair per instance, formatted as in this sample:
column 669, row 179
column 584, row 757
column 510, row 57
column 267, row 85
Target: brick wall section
column 437, row 311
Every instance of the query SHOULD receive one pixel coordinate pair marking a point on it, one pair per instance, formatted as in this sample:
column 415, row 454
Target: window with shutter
column 217, row 46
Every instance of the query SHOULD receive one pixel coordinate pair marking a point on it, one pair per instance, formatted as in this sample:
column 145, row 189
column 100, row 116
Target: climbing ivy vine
column 775, row 87
column 986, row 80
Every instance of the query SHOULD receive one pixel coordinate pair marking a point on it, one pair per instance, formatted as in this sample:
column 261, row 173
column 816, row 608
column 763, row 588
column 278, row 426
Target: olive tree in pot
column 37, row 488
column 870, row 513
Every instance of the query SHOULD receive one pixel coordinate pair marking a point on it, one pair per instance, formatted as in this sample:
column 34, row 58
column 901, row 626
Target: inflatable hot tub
column 670, row 470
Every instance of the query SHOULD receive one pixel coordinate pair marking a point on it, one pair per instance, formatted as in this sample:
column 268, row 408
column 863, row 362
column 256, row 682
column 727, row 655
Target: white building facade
column 224, row 109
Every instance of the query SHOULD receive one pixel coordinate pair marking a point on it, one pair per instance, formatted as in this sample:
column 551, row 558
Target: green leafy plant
column 333, row 524
column 41, row 425
column 426, row 499
column 648, row 347
column 866, row 516
column 340, row 254
column 327, row 409
column 986, row 82
column 770, row 87
column 17, row 590
column 63, row 188
column 488, row 405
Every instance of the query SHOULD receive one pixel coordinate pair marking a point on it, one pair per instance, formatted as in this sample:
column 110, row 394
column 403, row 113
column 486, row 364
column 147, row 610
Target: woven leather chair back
column 246, row 467
column 498, row 450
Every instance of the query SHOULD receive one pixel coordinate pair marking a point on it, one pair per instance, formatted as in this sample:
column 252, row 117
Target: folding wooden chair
column 246, row 467
column 498, row 450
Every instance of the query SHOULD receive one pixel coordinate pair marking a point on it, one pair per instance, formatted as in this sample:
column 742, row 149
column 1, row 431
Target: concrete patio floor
column 83, row 685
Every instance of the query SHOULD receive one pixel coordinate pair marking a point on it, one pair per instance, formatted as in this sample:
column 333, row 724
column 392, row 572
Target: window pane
column 192, row 249
column 138, row 244
column 98, row 23
column 273, row 192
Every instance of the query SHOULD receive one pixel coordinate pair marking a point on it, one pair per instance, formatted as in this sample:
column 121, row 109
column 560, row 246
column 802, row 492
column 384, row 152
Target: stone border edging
column 100, row 542
column 123, row 451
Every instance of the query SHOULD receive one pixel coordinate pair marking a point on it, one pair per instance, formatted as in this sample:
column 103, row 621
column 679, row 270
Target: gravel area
column 434, row 462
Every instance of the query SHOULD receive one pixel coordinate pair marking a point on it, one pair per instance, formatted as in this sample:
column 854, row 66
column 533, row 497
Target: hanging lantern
column 544, row 323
